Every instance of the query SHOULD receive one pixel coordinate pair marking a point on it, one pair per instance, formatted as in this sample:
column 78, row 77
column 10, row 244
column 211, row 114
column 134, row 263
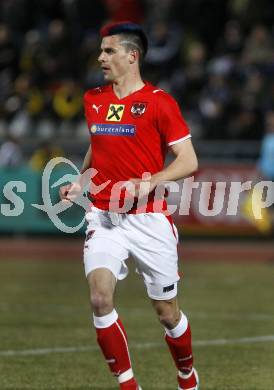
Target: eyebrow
column 108, row 48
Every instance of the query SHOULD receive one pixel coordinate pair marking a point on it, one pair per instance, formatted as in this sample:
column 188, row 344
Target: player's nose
column 101, row 57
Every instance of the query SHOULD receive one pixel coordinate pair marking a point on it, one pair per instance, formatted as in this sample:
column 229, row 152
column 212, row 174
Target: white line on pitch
column 197, row 343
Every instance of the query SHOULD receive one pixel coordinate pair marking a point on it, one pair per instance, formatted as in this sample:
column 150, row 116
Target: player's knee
column 168, row 319
column 101, row 302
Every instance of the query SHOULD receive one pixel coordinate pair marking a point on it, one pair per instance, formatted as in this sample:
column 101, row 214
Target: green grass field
column 47, row 342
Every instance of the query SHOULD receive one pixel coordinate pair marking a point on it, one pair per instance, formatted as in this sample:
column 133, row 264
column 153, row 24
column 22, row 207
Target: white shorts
column 149, row 238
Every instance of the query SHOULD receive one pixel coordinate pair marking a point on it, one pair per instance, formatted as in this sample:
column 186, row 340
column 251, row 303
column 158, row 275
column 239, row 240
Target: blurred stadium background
column 216, row 57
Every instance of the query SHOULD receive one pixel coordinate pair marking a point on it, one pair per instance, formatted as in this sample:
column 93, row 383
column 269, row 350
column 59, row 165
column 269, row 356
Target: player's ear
column 133, row 56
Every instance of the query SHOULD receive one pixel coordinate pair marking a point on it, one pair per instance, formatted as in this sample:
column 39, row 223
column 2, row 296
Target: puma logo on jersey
column 96, row 108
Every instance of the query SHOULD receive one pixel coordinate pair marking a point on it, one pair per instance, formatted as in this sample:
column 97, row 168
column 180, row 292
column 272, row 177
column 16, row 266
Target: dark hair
column 133, row 35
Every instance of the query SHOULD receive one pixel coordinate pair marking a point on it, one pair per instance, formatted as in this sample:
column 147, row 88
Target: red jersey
column 130, row 136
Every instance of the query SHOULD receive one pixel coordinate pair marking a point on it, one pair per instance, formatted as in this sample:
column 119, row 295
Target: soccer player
column 132, row 124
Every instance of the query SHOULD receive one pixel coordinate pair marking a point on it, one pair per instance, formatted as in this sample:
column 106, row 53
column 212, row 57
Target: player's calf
column 168, row 312
column 178, row 338
column 112, row 339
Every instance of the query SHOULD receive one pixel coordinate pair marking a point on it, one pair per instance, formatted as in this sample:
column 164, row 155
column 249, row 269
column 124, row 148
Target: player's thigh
column 154, row 248
column 105, row 247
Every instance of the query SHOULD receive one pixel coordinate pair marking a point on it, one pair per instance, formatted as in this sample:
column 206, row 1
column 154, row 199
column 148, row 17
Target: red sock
column 129, row 385
column 113, row 342
column 181, row 350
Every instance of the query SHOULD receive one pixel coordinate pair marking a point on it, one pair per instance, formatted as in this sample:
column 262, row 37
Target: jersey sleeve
column 170, row 121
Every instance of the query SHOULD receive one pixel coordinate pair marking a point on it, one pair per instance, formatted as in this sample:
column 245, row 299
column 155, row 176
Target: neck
column 126, row 85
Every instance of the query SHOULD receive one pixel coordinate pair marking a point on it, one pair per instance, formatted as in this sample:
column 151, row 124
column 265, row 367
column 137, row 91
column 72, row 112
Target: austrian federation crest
column 138, row 109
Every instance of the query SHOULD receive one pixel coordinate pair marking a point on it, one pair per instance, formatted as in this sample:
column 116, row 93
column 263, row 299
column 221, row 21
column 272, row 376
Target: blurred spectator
column 258, row 48
column 160, row 10
column 269, row 96
column 67, row 100
column 16, row 14
column 203, row 19
column 217, row 58
column 84, row 16
column 254, row 90
column 188, row 80
column 244, row 123
column 32, row 55
column 8, row 64
column 267, row 158
column 164, row 50
column 8, row 50
column 214, row 99
column 250, row 12
column 44, row 154
column 24, row 97
column 58, row 62
column 44, row 11
column 231, row 43
column 10, row 153
column 23, row 105
column 266, row 163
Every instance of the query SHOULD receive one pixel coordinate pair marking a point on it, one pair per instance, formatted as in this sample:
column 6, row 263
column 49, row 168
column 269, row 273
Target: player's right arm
column 69, row 191
column 87, row 160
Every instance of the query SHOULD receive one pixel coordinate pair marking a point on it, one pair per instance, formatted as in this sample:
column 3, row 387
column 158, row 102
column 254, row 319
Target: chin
column 108, row 77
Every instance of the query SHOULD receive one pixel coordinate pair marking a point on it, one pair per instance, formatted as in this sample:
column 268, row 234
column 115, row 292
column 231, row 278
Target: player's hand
column 63, row 192
column 70, row 192
column 141, row 188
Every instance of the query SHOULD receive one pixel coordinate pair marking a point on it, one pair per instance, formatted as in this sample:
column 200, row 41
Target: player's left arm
column 184, row 164
column 175, row 133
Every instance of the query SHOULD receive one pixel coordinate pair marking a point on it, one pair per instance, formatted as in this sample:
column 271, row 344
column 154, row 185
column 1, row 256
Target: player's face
column 114, row 59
